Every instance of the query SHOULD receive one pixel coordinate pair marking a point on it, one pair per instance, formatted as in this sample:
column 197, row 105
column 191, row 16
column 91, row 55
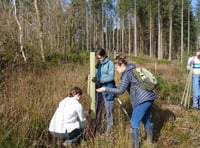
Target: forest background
column 44, row 50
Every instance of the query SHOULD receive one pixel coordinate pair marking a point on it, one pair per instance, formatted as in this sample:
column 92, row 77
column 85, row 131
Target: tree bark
column 117, row 50
column 113, row 37
column 150, row 31
column 87, row 29
column 20, row 31
column 135, row 29
column 170, row 32
column 39, row 30
column 182, row 50
column 188, row 28
column 102, row 31
column 122, row 41
column 129, row 36
column 159, row 31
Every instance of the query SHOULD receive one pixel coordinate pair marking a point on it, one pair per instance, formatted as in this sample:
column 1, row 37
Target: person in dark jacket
column 141, row 100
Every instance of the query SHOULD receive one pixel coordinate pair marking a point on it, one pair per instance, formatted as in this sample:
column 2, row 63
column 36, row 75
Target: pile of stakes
column 186, row 98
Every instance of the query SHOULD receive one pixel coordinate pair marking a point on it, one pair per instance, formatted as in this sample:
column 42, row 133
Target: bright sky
column 194, row 2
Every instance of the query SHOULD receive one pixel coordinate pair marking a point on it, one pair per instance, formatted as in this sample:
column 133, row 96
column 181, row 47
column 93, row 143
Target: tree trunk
column 159, row 31
column 129, row 37
column 39, row 30
column 188, row 28
column 20, row 31
column 122, row 40
column 113, row 37
column 182, row 50
column 102, row 28
column 170, row 32
column 87, row 29
column 150, row 32
column 106, row 36
column 161, row 39
column 117, row 50
column 135, row 29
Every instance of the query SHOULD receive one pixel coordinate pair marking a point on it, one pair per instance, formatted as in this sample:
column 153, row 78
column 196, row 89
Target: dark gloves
column 97, row 64
column 89, row 111
column 95, row 80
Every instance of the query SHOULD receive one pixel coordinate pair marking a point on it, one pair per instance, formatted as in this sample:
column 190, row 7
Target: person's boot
column 149, row 134
column 135, row 138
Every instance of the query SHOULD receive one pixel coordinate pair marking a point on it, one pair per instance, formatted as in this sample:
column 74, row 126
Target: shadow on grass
column 159, row 118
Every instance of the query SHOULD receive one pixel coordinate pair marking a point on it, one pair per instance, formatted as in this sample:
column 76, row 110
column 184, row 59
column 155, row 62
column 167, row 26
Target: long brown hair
column 75, row 91
column 120, row 59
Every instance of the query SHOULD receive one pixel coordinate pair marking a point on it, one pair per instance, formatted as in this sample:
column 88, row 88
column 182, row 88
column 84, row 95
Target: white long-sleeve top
column 194, row 62
column 68, row 116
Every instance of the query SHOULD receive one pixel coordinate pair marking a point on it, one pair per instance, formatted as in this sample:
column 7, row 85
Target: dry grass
column 29, row 97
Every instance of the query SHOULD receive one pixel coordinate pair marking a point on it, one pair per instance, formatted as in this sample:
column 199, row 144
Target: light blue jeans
column 196, row 90
column 141, row 113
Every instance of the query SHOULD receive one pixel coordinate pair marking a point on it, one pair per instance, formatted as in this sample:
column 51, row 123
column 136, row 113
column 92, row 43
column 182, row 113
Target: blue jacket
column 106, row 71
column 130, row 83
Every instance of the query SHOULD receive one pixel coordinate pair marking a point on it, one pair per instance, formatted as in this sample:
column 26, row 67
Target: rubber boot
column 149, row 134
column 135, row 138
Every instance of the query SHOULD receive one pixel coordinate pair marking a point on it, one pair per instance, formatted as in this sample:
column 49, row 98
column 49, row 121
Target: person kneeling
column 68, row 122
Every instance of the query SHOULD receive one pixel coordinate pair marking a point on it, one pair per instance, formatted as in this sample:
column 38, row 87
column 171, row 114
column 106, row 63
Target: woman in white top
column 69, row 119
column 194, row 65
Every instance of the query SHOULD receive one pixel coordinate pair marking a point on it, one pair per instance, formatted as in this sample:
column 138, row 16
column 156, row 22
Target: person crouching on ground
column 68, row 121
column 141, row 100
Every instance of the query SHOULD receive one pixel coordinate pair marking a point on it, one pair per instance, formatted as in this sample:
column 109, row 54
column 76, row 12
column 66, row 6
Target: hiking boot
column 135, row 138
column 149, row 134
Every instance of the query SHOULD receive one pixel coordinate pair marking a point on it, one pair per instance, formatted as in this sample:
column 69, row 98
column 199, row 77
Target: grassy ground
column 30, row 94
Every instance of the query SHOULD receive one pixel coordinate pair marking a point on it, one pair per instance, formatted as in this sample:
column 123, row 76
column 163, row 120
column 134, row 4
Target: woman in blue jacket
column 105, row 72
column 141, row 100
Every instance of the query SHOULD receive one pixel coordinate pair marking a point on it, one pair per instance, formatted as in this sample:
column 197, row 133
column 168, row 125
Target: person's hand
column 97, row 64
column 89, row 111
column 95, row 80
column 101, row 89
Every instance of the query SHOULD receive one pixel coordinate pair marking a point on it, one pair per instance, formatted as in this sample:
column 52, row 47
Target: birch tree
column 39, row 28
column 20, row 30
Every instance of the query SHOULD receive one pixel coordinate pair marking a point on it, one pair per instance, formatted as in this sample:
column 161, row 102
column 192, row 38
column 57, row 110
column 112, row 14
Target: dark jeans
column 74, row 136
